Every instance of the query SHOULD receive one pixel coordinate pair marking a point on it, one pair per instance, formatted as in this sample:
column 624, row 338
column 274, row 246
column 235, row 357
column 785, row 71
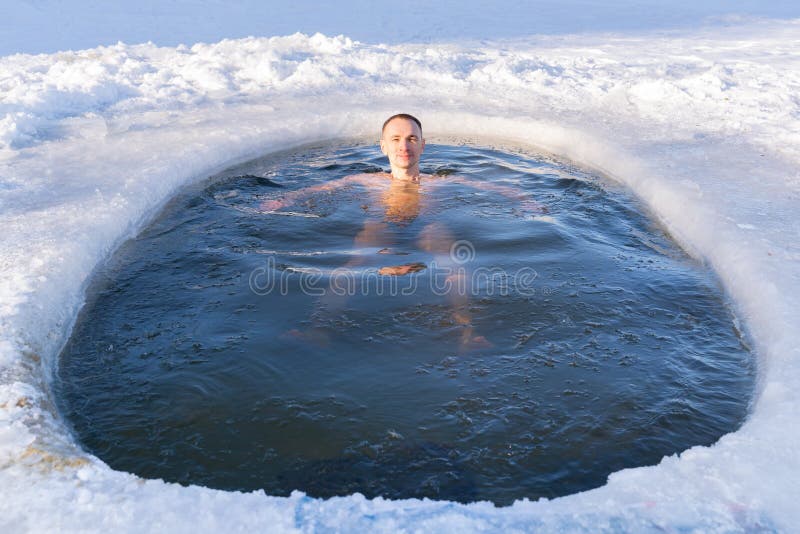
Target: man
column 402, row 142
column 401, row 194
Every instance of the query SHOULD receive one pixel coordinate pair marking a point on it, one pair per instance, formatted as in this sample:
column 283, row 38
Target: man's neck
column 406, row 175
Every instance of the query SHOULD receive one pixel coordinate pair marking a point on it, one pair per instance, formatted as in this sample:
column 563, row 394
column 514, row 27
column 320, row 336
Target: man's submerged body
column 401, row 194
column 402, row 202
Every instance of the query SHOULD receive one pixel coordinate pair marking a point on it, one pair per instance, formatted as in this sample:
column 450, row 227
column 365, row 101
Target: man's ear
column 383, row 147
column 423, row 146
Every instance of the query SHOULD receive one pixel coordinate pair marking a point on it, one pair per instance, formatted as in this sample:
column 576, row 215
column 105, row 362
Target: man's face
column 402, row 143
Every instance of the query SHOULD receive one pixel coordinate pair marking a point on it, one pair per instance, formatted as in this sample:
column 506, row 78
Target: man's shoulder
column 445, row 178
column 368, row 178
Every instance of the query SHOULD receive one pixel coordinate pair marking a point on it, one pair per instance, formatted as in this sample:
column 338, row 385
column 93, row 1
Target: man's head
column 404, row 116
column 403, row 144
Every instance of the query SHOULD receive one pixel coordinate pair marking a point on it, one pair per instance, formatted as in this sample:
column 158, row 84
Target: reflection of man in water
column 399, row 193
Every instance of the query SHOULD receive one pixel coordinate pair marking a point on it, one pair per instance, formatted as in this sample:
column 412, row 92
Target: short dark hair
column 405, row 116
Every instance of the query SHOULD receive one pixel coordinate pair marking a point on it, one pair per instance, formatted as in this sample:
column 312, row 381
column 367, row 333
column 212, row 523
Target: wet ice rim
column 743, row 480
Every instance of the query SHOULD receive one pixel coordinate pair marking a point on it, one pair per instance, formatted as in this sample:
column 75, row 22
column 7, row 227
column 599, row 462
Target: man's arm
column 291, row 197
column 525, row 202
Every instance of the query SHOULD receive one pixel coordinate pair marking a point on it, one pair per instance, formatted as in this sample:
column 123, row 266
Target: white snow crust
column 702, row 124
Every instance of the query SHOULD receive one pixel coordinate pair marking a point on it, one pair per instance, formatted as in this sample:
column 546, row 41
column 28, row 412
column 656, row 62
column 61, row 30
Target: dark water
column 214, row 351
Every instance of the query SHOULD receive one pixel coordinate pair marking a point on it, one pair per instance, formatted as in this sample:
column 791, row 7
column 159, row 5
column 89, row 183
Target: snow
column 701, row 121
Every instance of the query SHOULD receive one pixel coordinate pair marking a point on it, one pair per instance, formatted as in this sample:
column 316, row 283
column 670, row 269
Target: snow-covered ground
column 702, row 121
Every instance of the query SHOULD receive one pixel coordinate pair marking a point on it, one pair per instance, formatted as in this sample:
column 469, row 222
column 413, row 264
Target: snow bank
column 704, row 126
